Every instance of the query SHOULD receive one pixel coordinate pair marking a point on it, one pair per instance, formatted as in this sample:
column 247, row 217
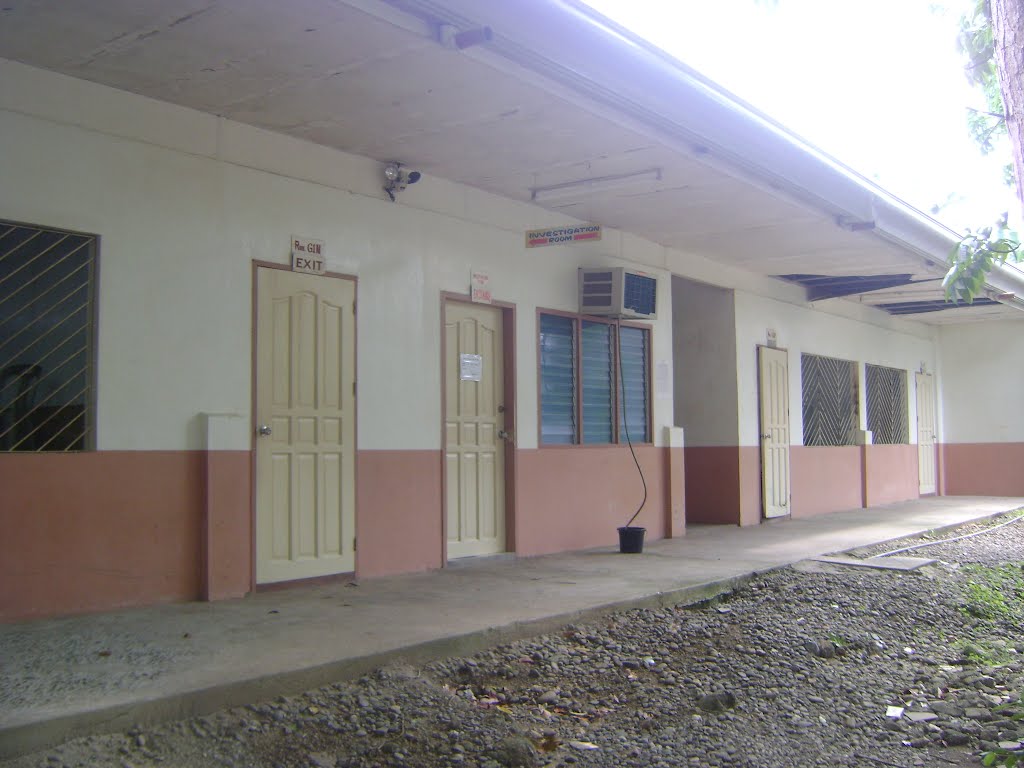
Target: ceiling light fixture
column 450, row 37
column 583, row 187
column 851, row 224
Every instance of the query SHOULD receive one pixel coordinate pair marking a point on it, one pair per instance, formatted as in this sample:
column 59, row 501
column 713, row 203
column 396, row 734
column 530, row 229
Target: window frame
column 618, row 436
column 905, row 397
column 856, row 385
column 91, row 400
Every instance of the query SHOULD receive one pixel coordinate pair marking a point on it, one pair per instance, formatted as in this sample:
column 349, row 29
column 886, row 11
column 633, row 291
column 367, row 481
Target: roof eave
column 569, row 43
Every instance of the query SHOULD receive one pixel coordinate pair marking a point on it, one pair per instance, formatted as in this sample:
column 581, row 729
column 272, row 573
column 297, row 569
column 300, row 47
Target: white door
column 305, row 412
column 773, row 380
column 925, row 432
column 474, row 456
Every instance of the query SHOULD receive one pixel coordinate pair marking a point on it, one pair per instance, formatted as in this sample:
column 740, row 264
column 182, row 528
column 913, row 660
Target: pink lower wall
column 110, row 529
column 750, row 485
column 398, row 512
column 723, row 483
column 107, row 529
column 574, row 498
column 95, row 531
column 103, row 530
column 227, row 549
column 982, row 469
column 825, row 479
column 713, row 484
column 890, row 474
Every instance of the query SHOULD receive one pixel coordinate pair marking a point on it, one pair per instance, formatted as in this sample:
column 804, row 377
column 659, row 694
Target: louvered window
column 633, row 375
column 886, row 390
column 557, row 380
column 829, row 400
column 581, row 381
column 597, row 367
column 47, row 292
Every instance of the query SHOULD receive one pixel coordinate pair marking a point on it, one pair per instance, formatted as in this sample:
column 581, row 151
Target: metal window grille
column 829, row 400
column 887, row 404
column 47, row 331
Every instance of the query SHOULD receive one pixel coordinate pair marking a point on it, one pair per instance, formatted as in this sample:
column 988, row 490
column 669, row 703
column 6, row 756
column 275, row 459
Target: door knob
column 264, row 430
column 504, row 435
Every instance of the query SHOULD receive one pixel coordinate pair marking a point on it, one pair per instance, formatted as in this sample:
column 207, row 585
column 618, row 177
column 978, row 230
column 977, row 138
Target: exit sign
column 307, row 255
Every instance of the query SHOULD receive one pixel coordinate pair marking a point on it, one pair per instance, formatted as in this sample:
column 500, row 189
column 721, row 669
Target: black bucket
column 631, row 540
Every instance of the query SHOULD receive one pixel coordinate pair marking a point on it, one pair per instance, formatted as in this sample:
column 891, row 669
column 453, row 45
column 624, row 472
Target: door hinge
column 354, row 542
column 353, row 307
column 353, row 389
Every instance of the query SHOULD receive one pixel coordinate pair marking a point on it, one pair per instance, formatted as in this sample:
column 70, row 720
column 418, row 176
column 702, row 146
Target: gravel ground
column 799, row 668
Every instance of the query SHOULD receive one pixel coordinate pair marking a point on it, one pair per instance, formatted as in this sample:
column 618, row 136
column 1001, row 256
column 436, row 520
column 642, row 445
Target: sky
column 877, row 84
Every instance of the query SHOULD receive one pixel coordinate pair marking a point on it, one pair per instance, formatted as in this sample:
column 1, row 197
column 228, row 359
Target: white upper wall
column 890, row 342
column 185, row 202
column 981, row 381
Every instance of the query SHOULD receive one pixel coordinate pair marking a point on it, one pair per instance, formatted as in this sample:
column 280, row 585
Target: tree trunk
column 1008, row 36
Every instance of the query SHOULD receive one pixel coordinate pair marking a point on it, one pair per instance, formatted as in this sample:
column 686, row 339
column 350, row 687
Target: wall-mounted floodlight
column 397, row 179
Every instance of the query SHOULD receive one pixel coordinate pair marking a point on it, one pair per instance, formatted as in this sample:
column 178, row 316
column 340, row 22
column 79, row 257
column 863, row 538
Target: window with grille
column 831, row 414
column 47, row 338
column 594, row 384
column 886, row 391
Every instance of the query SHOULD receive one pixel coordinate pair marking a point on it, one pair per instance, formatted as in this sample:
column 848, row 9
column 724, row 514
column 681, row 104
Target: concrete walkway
column 69, row 677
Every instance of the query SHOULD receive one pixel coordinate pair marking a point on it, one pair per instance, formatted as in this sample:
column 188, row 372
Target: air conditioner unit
column 618, row 292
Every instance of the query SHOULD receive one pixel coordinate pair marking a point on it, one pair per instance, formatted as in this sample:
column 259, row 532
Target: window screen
column 887, row 404
column 47, row 286
column 557, row 380
column 829, row 400
column 581, row 365
column 633, row 379
column 596, row 376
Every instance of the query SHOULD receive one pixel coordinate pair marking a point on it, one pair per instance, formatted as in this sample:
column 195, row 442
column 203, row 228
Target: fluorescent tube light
column 583, row 187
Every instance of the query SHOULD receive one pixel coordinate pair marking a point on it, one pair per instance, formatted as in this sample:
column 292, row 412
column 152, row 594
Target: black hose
column 625, row 428
column 954, row 538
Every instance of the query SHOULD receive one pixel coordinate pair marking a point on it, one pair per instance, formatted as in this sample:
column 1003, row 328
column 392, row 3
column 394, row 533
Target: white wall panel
column 981, row 381
column 184, row 203
column 801, row 329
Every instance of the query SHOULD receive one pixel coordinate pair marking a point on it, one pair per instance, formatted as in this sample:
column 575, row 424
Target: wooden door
column 474, row 428
column 926, row 432
column 773, row 385
column 305, row 412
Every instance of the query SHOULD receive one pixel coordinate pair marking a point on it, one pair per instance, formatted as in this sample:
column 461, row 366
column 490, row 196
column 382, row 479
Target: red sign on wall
column 480, row 287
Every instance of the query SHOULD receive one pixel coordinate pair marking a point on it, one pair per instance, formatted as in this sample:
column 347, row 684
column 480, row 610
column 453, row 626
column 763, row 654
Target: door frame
column 254, row 421
column 508, row 339
column 760, row 440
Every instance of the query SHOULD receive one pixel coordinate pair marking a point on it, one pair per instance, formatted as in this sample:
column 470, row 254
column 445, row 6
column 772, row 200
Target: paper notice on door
column 470, row 367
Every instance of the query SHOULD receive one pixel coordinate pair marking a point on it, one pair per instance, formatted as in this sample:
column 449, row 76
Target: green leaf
column 975, row 256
